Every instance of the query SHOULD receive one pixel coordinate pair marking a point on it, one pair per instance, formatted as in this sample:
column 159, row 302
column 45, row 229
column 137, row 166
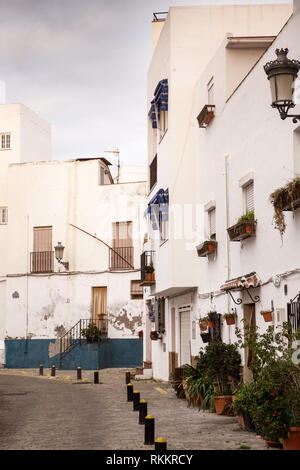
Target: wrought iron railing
column 121, row 258
column 293, row 313
column 147, row 261
column 42, row 262
column 77, row 334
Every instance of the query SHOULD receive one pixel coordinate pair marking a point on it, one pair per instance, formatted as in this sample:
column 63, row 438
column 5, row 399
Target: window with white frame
column 212, row 223
column 163, row 228
column 210, row 91
column 248, row 191
column 163, row 123
column 4, row 141
column 3, row 215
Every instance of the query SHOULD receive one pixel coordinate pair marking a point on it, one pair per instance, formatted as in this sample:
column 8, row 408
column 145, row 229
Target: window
column 153, row 172
column 136, row 290
column 163, row 228
column 101, row 176
column 212, row 223
column 210, row 91
column 3, row 215
column 163, row 123
column 122, row 256
column 5, row 141
column 249, row 197
column 42, row 260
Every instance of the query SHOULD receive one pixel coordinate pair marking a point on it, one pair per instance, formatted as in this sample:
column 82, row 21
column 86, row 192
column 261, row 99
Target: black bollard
column 53, row 371
column 41, row 369
column 127, row 378
column 136, row 400
column 160, row 444
column 79, row 373
column 143, row 411
column 96, row 377
column 129, row 392
column 149, row 430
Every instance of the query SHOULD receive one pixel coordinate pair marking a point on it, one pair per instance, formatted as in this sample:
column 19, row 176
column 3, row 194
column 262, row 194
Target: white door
column 185, row 338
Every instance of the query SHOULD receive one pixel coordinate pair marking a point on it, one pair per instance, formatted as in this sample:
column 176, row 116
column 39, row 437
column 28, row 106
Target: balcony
column 207, row 248
column 42, row 262
column 147, row 269
column 206, row 115
column 121, row 258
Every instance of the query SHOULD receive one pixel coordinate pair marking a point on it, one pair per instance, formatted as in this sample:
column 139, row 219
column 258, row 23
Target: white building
column 74, row 203
column 185, row 46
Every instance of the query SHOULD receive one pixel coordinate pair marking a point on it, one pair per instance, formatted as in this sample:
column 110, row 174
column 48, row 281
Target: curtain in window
column 158, row 204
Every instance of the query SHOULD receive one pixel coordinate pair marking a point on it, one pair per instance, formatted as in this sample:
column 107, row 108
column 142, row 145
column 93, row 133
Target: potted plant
column 140, row 333
column 203, row 323
column 211, row 319
column 149, row 271
column 154, row 335
column 91, row 333
column 286, row 198
column 223, row 363
column 205, row 337
column 207, row 248
column 244, row 228
column 230, row 318
column 267, row 314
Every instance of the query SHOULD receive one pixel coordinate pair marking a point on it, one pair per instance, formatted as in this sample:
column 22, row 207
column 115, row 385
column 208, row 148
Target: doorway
column 249, row 320
column 185, row 338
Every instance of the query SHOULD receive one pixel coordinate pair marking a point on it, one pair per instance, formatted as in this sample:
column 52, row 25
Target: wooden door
column 99, row 307
column 185, row 338
column 122, row 256
column 42, row 257
column 249, row 319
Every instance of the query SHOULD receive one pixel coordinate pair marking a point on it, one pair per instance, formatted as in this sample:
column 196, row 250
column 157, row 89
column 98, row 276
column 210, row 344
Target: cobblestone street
column 61, row 413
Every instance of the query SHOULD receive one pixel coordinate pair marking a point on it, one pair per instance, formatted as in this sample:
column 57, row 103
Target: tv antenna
column 116, row 153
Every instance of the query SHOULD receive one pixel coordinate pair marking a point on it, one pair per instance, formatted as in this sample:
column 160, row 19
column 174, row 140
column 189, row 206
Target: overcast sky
column 82, row 65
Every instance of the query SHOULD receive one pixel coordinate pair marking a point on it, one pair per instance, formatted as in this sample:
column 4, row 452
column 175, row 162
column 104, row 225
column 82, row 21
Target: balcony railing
column 121, row 258
column 147, row 268
column 42, row 262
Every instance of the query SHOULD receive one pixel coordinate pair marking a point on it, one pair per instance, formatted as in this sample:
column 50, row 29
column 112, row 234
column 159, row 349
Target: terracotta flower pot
column 150, row 277
column 248, row 228
column 221, row 402
column 203, row 325
column 230, row 320
column 210, row 324
column 242, row 422
column 292, row 442
column 267, row 316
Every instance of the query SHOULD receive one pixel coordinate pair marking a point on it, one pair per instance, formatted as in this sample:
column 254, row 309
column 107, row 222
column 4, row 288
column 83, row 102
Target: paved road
column 64, row 414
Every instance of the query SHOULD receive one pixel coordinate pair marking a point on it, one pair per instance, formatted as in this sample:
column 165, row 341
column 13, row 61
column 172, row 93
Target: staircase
column 75, row 336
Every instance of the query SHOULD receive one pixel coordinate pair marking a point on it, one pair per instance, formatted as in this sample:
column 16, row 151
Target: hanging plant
column 284, row 199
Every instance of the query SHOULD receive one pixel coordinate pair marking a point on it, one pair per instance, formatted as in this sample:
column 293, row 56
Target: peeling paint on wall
column 54, row 348
column 122, row 319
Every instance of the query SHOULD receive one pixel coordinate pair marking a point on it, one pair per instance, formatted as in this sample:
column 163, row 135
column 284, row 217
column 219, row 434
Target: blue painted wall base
column 111, row 352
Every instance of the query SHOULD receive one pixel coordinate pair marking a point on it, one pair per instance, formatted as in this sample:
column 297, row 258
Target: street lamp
column 282, row 73
column 59, row 253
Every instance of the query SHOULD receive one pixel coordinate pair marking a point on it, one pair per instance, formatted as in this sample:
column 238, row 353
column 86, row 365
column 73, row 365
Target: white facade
column 77, row 203
column 181, row 55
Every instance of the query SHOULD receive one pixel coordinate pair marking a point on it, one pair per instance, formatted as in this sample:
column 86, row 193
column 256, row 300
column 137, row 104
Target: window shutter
column 249, row 197
column 212, row 222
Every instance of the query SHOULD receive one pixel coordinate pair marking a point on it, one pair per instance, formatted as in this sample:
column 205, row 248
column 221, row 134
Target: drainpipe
column 227, row 225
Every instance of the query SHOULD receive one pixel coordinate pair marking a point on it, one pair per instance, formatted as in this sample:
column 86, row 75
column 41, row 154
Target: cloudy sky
column 82, row 65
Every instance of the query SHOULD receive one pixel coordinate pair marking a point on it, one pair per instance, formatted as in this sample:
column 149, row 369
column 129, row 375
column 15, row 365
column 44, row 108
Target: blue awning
column 159, row 203
column 159, row 102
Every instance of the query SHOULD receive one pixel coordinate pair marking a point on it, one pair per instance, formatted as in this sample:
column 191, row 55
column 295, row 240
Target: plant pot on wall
column 205, row 337
column 230, row 318
column 267, row 314
column 154, row 335
column 203, row 323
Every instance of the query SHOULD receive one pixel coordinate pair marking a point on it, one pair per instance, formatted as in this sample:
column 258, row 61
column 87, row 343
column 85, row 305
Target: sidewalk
column 81, row 415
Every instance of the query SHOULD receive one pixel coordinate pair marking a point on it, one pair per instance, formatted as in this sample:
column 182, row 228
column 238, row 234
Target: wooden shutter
column 249, row 197
column 212, row 222
column 42, row 239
